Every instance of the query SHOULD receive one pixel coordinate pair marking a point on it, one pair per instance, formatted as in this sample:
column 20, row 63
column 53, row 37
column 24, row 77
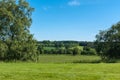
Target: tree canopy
column 108, row 42
column 16, row 42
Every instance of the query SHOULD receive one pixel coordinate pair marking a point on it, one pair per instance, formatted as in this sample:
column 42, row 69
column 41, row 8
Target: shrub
column 88, row 51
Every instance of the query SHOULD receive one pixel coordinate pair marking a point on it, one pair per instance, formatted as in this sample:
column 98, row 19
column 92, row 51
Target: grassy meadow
column 54, row 71
column 69, row 59
column 60, row 67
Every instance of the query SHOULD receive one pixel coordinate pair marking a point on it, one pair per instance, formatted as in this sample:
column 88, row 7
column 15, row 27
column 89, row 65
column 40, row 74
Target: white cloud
column 74, row 3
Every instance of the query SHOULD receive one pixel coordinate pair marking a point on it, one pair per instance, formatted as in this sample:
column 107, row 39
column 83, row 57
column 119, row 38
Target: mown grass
column 68, row 59
column 60, row 67
column 54, row 71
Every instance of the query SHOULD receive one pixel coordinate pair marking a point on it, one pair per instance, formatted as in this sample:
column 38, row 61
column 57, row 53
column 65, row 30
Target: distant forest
column 66, row 47
column 48, row 43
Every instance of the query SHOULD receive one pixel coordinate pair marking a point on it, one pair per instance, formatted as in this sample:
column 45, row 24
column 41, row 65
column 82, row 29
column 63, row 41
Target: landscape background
column 59, row 40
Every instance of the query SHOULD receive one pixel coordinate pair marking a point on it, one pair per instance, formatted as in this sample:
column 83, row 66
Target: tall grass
column 68, row 59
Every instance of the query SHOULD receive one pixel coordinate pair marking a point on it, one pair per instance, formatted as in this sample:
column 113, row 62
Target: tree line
column 66, row 47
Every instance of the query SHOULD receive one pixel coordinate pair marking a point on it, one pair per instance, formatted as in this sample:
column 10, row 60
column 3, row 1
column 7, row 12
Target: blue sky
column 77, row 20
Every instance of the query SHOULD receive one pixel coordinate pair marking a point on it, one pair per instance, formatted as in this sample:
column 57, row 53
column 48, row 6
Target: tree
column 76, row 51
column 15, row 21
column 108, row 42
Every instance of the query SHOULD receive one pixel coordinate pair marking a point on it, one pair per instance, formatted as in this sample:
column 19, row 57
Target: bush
column 69, row 51
column 88, row 51
column 76, row 51
column 3, row 50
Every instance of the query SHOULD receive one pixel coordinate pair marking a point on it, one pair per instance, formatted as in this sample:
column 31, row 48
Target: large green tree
column 108, row 42
column 16, row 42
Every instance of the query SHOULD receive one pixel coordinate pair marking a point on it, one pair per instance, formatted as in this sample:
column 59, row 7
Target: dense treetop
column 15, row 39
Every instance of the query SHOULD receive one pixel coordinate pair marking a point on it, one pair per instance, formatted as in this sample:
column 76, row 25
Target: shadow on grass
column 97, row 61
column 87, row 61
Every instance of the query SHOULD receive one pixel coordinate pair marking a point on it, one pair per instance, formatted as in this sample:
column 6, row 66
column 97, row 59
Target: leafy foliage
column 88, row 51
column 108, row 42
column 65, row 47
column 16, row 41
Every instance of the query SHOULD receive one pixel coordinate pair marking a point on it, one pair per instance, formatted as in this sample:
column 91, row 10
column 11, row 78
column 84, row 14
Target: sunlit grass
column 60, row 67
column 69, row 59
column 52, row 71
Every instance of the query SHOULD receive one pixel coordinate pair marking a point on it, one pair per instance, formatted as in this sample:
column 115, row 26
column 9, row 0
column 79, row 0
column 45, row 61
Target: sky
column 78, row 20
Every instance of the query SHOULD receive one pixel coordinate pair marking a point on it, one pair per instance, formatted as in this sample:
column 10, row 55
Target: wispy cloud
column 74, row 3
column 45, row 8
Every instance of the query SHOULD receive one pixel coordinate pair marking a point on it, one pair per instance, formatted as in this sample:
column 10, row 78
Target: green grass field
column 60, row 67
column 50, row 71
column 69, row 59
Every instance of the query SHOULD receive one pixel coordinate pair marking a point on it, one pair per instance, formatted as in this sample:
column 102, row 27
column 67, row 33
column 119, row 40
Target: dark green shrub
column 88, row 51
